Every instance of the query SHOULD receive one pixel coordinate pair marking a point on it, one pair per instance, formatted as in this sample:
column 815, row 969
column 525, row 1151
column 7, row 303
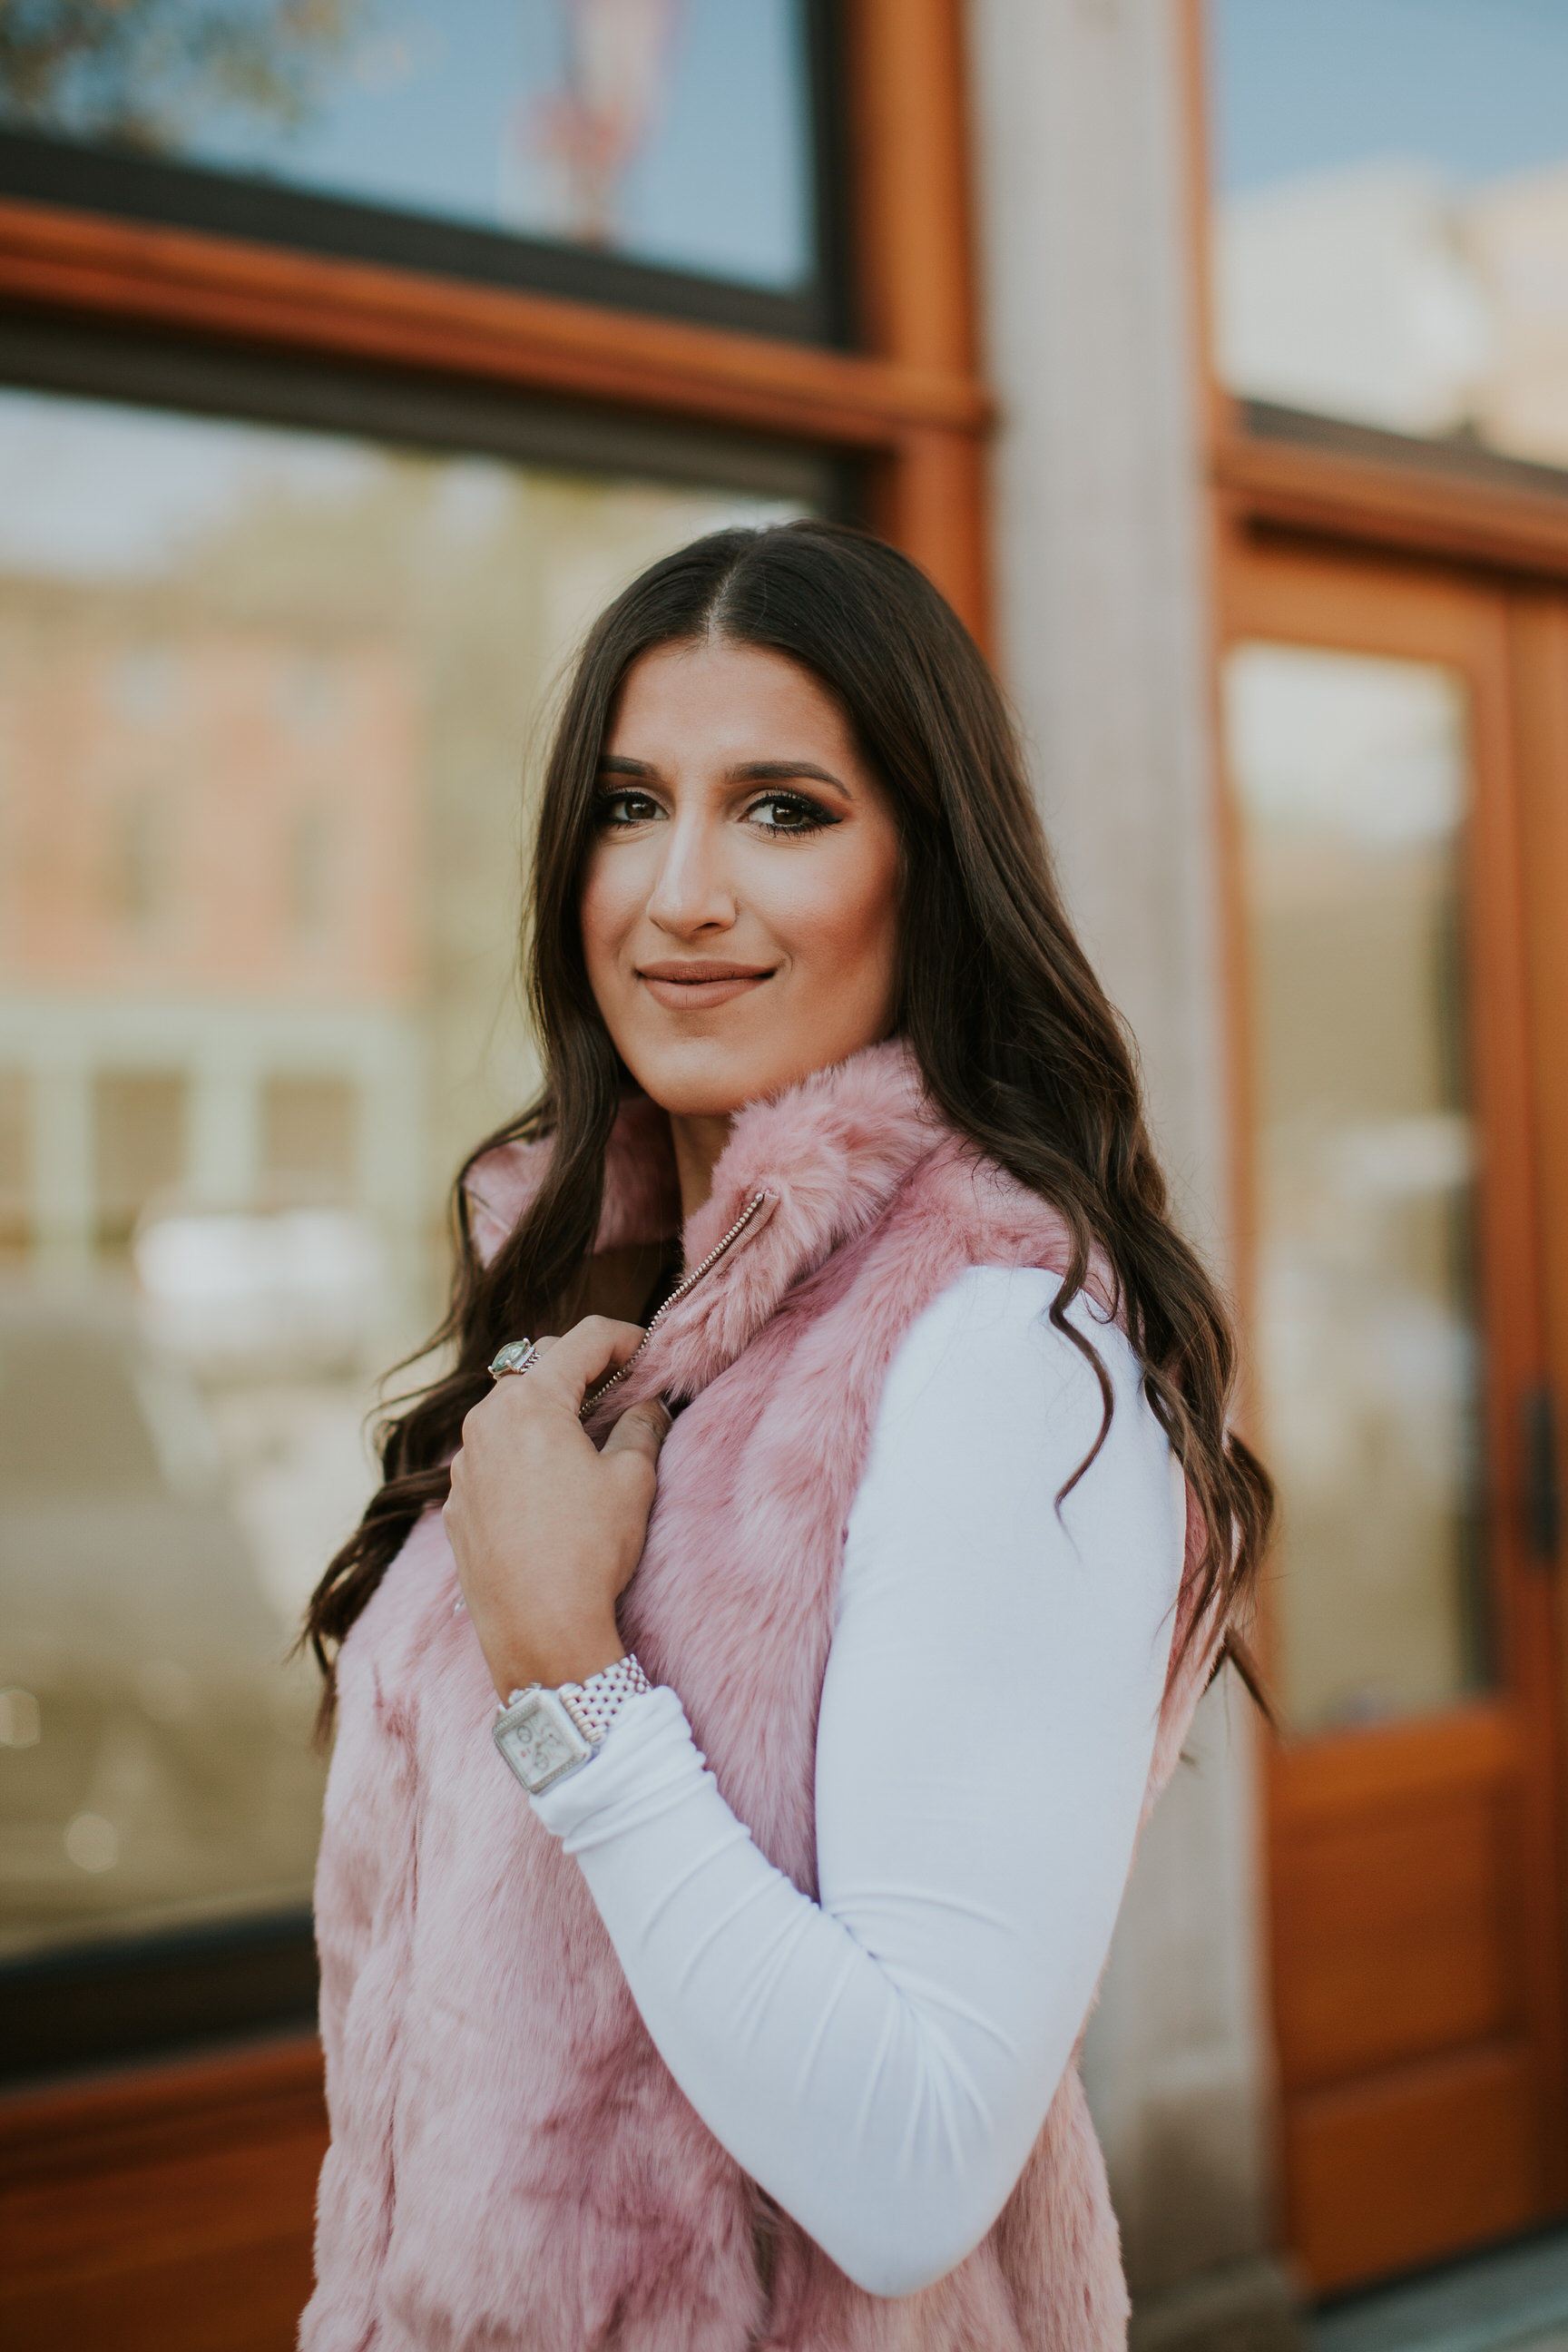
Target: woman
column 839, row 1696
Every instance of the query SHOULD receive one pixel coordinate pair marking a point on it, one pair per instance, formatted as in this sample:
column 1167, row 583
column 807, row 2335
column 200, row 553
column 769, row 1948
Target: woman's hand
column 547, row 1530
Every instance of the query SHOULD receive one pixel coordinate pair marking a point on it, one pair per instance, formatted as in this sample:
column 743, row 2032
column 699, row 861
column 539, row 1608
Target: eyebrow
column 749, row 772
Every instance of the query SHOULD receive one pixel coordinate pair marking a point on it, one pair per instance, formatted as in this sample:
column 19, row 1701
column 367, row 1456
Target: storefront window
column 1391, row 239
column 266, row 699
column 677, row 133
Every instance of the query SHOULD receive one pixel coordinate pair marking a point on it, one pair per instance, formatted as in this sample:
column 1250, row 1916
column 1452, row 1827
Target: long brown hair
column 1020, row 1050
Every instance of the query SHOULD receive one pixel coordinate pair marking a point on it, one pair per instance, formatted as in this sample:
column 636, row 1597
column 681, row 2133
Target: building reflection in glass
column 674, row 132
column 265, row 699
column 1391, row 233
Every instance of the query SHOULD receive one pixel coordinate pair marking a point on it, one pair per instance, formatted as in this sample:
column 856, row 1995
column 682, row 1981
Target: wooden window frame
column 1273, row 468
column 906, row 405
column 1268, row 467
column 268, row 211
column 1278, row 469
column 133, row 2200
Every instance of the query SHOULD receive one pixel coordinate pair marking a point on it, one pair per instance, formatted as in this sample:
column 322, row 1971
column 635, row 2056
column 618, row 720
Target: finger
column 642, row 1430
column 589, row 1350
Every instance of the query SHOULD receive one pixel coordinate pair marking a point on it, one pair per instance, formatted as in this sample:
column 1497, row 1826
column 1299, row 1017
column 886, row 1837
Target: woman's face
column 740, row 901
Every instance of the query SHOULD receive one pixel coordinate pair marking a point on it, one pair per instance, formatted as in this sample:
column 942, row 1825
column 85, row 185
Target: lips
column 694, row 987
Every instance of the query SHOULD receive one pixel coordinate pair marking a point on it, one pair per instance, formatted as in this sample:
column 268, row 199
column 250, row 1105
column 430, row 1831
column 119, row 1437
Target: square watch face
column 542, row 1743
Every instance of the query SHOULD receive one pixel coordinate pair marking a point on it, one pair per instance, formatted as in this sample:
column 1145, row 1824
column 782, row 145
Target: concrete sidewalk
column 1512, row 2300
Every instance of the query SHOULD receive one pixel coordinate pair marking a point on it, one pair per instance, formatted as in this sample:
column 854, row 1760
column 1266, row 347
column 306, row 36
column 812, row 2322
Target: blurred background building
column 1214, row 362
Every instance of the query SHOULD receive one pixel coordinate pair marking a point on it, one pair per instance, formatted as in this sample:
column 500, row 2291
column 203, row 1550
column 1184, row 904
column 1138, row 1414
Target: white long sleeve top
column 881, row 2061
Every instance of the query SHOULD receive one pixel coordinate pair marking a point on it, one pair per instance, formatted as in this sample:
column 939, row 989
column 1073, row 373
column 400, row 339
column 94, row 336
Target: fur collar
column 827, row 1155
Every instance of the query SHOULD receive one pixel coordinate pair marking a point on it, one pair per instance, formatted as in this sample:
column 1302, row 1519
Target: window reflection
column 264, row 699
column 1351, row 776
column 1392, row 229
column 675, row 131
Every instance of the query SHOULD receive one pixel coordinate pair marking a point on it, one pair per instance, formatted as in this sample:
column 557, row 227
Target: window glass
column 1392, row 231
column 265, row 697
column 673, row 131
column 1351, row 777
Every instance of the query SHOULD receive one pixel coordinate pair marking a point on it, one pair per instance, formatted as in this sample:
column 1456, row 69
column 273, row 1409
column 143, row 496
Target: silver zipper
column 683, row 1289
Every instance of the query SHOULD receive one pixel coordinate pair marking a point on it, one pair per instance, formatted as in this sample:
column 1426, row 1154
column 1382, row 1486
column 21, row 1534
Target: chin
column 698, row 1078
column 685, row 1095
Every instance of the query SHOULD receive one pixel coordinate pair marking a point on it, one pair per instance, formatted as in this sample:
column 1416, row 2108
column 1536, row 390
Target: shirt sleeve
column 881, row 2061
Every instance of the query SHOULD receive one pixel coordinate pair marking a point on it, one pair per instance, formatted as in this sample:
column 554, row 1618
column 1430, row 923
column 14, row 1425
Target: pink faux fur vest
column 512, row 2168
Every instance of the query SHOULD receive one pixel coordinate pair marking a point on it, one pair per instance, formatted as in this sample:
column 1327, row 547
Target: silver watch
column 545, row 1734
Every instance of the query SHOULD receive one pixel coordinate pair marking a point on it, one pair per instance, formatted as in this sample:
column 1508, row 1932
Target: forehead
column 724, row 701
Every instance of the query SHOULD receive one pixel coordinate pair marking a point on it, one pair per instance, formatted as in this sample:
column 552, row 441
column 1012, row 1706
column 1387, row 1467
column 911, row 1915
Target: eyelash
column 816, row 818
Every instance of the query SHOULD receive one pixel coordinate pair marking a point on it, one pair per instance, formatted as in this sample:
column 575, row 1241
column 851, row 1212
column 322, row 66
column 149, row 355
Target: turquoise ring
column 516, row 1356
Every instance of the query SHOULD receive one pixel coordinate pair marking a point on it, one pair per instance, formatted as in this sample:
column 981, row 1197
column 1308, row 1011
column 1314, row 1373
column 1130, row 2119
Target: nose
column 693, row 892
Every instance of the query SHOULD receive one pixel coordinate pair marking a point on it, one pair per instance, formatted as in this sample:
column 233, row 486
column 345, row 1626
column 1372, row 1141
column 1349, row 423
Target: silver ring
column 516, row 1356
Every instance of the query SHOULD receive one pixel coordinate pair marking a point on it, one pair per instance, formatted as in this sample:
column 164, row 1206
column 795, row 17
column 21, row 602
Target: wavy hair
column 1020, row 1050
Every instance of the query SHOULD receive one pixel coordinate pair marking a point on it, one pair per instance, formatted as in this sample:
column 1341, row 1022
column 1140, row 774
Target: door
column 1393, row 1275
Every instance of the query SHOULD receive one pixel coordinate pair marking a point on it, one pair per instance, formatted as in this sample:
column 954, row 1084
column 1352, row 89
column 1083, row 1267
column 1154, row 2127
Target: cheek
column 608, row 909
column 845, row 921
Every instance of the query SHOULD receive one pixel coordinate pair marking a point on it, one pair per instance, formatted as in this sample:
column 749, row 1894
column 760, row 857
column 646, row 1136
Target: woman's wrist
column 569, row 1653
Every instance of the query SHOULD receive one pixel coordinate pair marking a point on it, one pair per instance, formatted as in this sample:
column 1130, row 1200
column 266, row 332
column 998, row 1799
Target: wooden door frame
column 907, row 404
column 1504, row 1746
column 1366, row 497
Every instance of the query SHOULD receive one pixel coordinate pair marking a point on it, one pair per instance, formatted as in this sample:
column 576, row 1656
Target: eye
column 616, row 810
column 790, row 813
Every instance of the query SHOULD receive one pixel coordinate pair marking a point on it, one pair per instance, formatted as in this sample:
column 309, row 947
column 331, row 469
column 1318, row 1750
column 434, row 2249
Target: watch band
column 596, row 1702
column 545, row 1733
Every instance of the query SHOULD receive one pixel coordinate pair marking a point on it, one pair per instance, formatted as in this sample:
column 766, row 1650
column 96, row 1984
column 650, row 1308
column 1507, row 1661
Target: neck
column 698, row 1141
